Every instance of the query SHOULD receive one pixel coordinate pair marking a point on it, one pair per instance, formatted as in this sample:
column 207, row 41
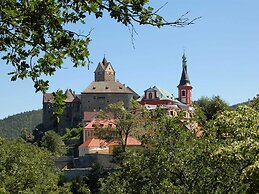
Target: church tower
column 104, row 71
column 184, row 87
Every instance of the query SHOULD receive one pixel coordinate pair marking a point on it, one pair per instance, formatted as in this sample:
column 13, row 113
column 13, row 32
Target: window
column 150, row 96
column 100, row 97
column 183, row 93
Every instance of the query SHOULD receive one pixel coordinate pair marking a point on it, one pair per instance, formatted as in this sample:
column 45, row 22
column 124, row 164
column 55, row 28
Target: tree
column 25, row 168
column 53, row 142
column 172, row 164
column 125, row 121
column 239, row 132
column 206, row 108
column 35, row 36
column 255, row 104
column 224, row 160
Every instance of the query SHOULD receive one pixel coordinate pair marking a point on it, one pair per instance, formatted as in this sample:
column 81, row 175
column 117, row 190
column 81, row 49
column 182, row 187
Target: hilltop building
column 159, row 97
column 184, row 87
column 101, row 92
column 105, row 90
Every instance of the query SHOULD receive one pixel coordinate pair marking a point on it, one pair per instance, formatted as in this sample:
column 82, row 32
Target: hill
column 247, row 103
column 12, row 125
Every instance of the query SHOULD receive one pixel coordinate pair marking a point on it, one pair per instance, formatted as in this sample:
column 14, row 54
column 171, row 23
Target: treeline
column 12, row 126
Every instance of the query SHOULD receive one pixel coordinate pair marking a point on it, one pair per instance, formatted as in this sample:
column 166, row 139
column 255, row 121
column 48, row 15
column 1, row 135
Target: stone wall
column 99, row 101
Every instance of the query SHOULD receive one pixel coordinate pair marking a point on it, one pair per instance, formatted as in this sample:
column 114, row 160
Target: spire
column 184, row 78
column 104, row 61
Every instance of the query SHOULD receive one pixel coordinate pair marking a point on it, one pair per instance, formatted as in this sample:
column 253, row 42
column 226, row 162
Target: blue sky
column 222, row 49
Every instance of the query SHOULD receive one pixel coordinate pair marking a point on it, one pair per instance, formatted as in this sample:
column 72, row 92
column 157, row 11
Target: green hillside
column 12, row 125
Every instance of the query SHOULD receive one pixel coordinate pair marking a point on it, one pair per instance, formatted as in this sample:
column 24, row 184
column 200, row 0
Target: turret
column 104, row 71
column 184, row 87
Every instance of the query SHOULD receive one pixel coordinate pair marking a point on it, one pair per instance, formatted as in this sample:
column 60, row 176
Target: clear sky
column 222, row 49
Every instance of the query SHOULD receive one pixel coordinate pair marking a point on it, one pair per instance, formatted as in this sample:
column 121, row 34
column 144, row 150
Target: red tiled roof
column 93, row 142
column 131, row 141
column 103, row 123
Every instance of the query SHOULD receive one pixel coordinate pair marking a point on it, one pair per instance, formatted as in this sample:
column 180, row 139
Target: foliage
column 73, row 138
column 25, row 168
column 163, row 167
column 206, row 108
column 53, row 142
column 225, row 160
column 125, row 121
column 239, row 130
column 79, row 186
column 255, row 104
column 13, row 126
column 35, row 36
column 59, row 104
column 90, row 183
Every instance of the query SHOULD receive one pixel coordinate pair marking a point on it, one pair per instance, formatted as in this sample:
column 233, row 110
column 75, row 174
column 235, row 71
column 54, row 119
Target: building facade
column 161, row 97
column 101, row 92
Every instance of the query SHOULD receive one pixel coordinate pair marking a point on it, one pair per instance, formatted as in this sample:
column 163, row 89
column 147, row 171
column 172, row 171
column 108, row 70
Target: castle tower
column 184, row 87
column 104, row 71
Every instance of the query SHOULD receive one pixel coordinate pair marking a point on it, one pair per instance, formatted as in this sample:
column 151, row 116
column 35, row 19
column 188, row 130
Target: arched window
column 150, row 96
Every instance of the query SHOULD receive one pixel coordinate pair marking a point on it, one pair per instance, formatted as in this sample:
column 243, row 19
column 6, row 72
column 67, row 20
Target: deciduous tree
column 35, row 37
column 125, row 121
column 25, row 168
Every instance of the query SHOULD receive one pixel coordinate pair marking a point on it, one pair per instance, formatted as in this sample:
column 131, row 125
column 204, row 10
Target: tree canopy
column 13, row 126
column 224, row 160
column 35, row 38
column 125, row 121
column 27, row 168
column 207, row 108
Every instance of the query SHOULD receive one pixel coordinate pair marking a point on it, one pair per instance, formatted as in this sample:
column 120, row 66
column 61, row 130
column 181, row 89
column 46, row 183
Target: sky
column 222, row 50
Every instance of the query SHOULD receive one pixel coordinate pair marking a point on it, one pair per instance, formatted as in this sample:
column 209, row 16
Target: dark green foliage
column 255, row 104
column 206, row 108
column 73, row 138
column 53, row 142
column 90, row 183
column 25, row 168
column 79, row 186
column 12, row 126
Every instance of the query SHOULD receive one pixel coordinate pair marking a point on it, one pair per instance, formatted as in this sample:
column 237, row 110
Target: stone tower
column 104, row 71
column 184, row 87
column 104, row 90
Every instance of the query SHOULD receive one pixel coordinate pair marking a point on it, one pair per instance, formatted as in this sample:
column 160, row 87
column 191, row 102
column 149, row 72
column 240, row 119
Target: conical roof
column 184, row 81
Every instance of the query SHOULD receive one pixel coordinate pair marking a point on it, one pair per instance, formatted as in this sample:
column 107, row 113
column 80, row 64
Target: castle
column 102, row 91
column 105, row 90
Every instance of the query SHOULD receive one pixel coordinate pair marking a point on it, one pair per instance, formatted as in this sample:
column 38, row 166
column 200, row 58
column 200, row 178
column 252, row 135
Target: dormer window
column 150, row 96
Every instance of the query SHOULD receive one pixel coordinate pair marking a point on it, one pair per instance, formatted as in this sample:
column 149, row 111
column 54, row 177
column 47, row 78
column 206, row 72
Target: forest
column 13, row 126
